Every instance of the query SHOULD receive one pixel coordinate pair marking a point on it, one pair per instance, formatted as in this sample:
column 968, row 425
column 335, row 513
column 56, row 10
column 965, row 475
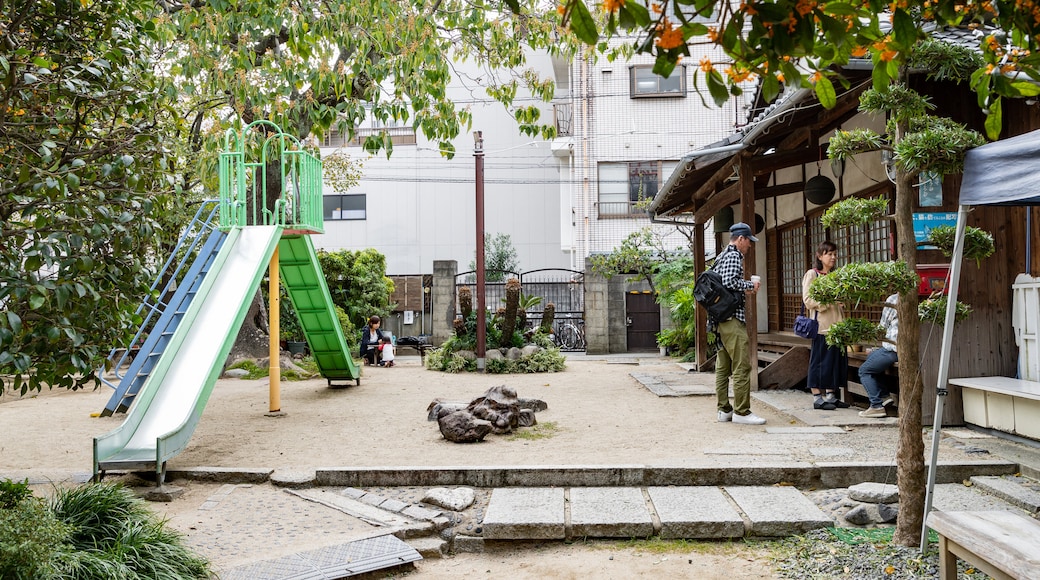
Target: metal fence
column 565, row 289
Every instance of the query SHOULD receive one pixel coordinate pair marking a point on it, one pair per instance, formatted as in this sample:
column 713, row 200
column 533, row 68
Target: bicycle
column 570, row 336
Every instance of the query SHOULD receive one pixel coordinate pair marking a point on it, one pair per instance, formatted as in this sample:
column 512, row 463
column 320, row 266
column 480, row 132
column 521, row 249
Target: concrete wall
column 442, row 297
column 597, row 316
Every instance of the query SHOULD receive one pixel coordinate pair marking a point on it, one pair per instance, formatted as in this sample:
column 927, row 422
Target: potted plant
column 289, row 328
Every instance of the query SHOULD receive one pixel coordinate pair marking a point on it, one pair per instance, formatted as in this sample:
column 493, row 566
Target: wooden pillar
column 747, row 214
column 701, row 316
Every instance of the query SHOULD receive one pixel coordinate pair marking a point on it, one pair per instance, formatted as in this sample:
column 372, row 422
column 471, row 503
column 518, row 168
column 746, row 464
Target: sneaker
column 724, row 416
column 823, row 405
column 888, row 401
column 878, row 412
column 838, row 403
column 749, row 419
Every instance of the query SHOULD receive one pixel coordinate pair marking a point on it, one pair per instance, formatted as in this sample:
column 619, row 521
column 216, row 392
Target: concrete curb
column 820, row 475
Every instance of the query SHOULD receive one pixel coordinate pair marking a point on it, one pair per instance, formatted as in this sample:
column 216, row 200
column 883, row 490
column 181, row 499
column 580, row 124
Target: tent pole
column 952, row 285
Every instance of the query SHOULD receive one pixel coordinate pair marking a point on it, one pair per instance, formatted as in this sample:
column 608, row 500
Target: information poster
column 925, row 222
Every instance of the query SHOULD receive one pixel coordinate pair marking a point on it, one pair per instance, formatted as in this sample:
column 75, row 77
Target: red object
column 933, row 278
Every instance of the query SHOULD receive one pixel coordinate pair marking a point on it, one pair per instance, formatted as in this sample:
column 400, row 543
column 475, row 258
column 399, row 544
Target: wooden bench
column 1002, row 403
column 1003, row 544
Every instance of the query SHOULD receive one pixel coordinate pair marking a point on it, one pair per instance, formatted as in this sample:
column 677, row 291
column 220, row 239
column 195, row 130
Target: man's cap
column 742, row 229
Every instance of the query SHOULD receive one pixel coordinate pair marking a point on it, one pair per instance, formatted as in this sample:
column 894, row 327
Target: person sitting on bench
column 879, row 361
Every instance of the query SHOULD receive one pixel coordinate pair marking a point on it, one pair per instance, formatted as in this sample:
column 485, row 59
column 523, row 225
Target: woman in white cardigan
column 828, row 365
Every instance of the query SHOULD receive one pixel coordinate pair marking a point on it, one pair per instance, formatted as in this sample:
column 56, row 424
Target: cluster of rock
column 869, row 504
column 511, row 353
column 499, row 410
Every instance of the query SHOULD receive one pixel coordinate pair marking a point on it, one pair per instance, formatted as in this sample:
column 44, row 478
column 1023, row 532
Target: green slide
column 304, row 281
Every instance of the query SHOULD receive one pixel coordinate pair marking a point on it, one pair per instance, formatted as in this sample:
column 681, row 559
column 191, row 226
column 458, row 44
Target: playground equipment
column 183, row 352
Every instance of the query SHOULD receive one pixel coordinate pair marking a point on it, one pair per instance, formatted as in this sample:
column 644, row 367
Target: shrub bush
column 30, row 537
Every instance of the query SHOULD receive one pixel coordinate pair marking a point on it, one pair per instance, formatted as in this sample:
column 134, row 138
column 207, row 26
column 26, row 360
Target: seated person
column 386, row 351
column 370, row 336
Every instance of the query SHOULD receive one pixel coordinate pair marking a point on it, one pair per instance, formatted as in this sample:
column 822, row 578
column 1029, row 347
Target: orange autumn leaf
column 859, row 52
column 612, row 5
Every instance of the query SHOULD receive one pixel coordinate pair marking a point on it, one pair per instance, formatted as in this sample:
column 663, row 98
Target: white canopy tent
column 1001, row 173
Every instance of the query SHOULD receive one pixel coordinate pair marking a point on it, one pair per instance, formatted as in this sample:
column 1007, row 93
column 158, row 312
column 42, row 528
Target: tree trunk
column 253, row 338
column 910, row 468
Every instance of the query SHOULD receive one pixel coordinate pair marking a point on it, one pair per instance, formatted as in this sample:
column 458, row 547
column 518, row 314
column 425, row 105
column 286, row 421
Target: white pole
column 944, row 364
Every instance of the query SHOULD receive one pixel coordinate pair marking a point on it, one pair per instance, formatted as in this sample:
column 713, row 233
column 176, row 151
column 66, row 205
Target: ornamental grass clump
column 89, row 532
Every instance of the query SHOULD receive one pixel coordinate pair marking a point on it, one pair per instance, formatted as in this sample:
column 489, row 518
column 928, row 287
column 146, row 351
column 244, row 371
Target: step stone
column 778, row 511
column 1009, row 490
column 695, row 513
column 609, row 512
column 515, row 513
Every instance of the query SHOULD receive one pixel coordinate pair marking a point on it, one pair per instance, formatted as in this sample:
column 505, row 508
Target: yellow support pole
column 274, row 311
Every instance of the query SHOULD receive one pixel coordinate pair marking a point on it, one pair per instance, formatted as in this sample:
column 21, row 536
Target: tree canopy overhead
column 802, row 42
column 83, row 173
column 311, row 66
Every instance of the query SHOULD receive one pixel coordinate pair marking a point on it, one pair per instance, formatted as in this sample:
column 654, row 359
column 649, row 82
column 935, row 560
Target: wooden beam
column 713, row 204
column 747, row 213
column 778, row 190
column 710, row 185
column 765, row 164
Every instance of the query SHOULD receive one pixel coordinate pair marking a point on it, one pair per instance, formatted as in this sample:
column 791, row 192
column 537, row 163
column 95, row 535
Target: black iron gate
column 565, row 289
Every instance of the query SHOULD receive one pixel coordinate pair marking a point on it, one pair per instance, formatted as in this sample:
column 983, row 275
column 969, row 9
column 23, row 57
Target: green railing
column 295, row 200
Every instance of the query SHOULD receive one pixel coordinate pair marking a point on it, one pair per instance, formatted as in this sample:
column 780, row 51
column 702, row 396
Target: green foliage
column 500, row 257
column 898, row 100
column 114, row 534
column 945, row 61
column 258, row 372
column 340, row 171
column 935, row 144
column 448, row 361
column 639, row 256
column 289, row 327
column 978, row 244
column 546, row 360
column 853, row 331
column 934, row 310
column 855, row 211
column 30, row 535
column 358, row 283
column 845, row 144
column 84, row 171
column 12, row 492
column 864, row 283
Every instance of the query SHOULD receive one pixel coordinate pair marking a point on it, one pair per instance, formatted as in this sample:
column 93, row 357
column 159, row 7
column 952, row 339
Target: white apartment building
column 621, row 131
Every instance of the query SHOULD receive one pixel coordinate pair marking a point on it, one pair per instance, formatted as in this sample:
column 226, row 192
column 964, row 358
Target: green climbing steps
column 304, row 281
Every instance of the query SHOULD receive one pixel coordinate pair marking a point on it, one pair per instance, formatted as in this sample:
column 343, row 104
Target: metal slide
column 168, row 407
column 305, row 283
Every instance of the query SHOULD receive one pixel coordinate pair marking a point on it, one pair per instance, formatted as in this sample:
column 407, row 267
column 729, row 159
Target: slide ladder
column 304, row 281
column 200, row 240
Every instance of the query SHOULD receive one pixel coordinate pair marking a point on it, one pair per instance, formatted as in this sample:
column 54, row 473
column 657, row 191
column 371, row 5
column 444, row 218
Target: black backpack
column 720, row 302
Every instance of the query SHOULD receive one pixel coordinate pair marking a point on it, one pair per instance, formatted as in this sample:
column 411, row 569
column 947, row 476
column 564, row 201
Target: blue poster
column 924, row 222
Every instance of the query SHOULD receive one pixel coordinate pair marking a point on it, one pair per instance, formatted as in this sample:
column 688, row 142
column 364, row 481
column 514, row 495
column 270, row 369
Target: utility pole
column 478, row 162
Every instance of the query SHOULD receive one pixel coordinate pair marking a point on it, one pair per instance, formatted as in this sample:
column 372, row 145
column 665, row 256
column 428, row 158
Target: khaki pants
column 733, row 360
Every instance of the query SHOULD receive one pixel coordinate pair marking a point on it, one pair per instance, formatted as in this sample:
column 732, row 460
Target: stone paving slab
column 358, row 509
column 1010, row 490
column 778, row 511
column 515, row 513
column 695, row 513
column 608, row 512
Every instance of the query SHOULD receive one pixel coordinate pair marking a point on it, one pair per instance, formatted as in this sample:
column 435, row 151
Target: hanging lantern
column 819, row 190
column 760, row 222
column 723, row 220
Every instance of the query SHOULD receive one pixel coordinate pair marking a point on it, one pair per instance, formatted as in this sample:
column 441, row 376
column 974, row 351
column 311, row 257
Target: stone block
column 222, row 474
column 609, row 512
column 456, row 499
column 468, row 545
column 525, row 514
column 873, row 492
column 1010, row 490
column 695, row 513
column 292, row 479
column 429, row 548
column 778, row 511
column 419, row 513
column 393, row 505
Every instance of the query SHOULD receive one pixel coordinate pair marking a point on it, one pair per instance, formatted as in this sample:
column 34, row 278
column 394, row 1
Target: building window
column 623, row 185
column 646, row 83
column 345, row 207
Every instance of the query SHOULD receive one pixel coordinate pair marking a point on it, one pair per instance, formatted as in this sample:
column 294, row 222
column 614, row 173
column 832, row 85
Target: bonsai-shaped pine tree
column 918, row 142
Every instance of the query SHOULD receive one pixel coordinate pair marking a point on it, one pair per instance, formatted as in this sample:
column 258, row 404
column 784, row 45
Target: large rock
column 499, row 406
column 514, row 353
column 494, row 354
column 871, row 492
column 530, row 349
column 463, row 427
column 455, row 500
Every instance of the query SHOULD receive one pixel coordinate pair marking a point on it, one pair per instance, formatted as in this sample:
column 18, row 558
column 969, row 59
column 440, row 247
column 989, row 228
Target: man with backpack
column 734, row 357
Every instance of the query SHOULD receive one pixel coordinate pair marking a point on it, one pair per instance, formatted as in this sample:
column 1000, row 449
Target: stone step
column 671, row 512
column 1011, row 489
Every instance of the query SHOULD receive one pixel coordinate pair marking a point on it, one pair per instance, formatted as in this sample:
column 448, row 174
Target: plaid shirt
column 730, row 266
column 890, row 322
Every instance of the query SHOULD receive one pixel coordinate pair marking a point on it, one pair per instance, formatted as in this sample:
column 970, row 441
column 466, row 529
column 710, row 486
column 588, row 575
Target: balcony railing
column 619, row 209
column 562, row 119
